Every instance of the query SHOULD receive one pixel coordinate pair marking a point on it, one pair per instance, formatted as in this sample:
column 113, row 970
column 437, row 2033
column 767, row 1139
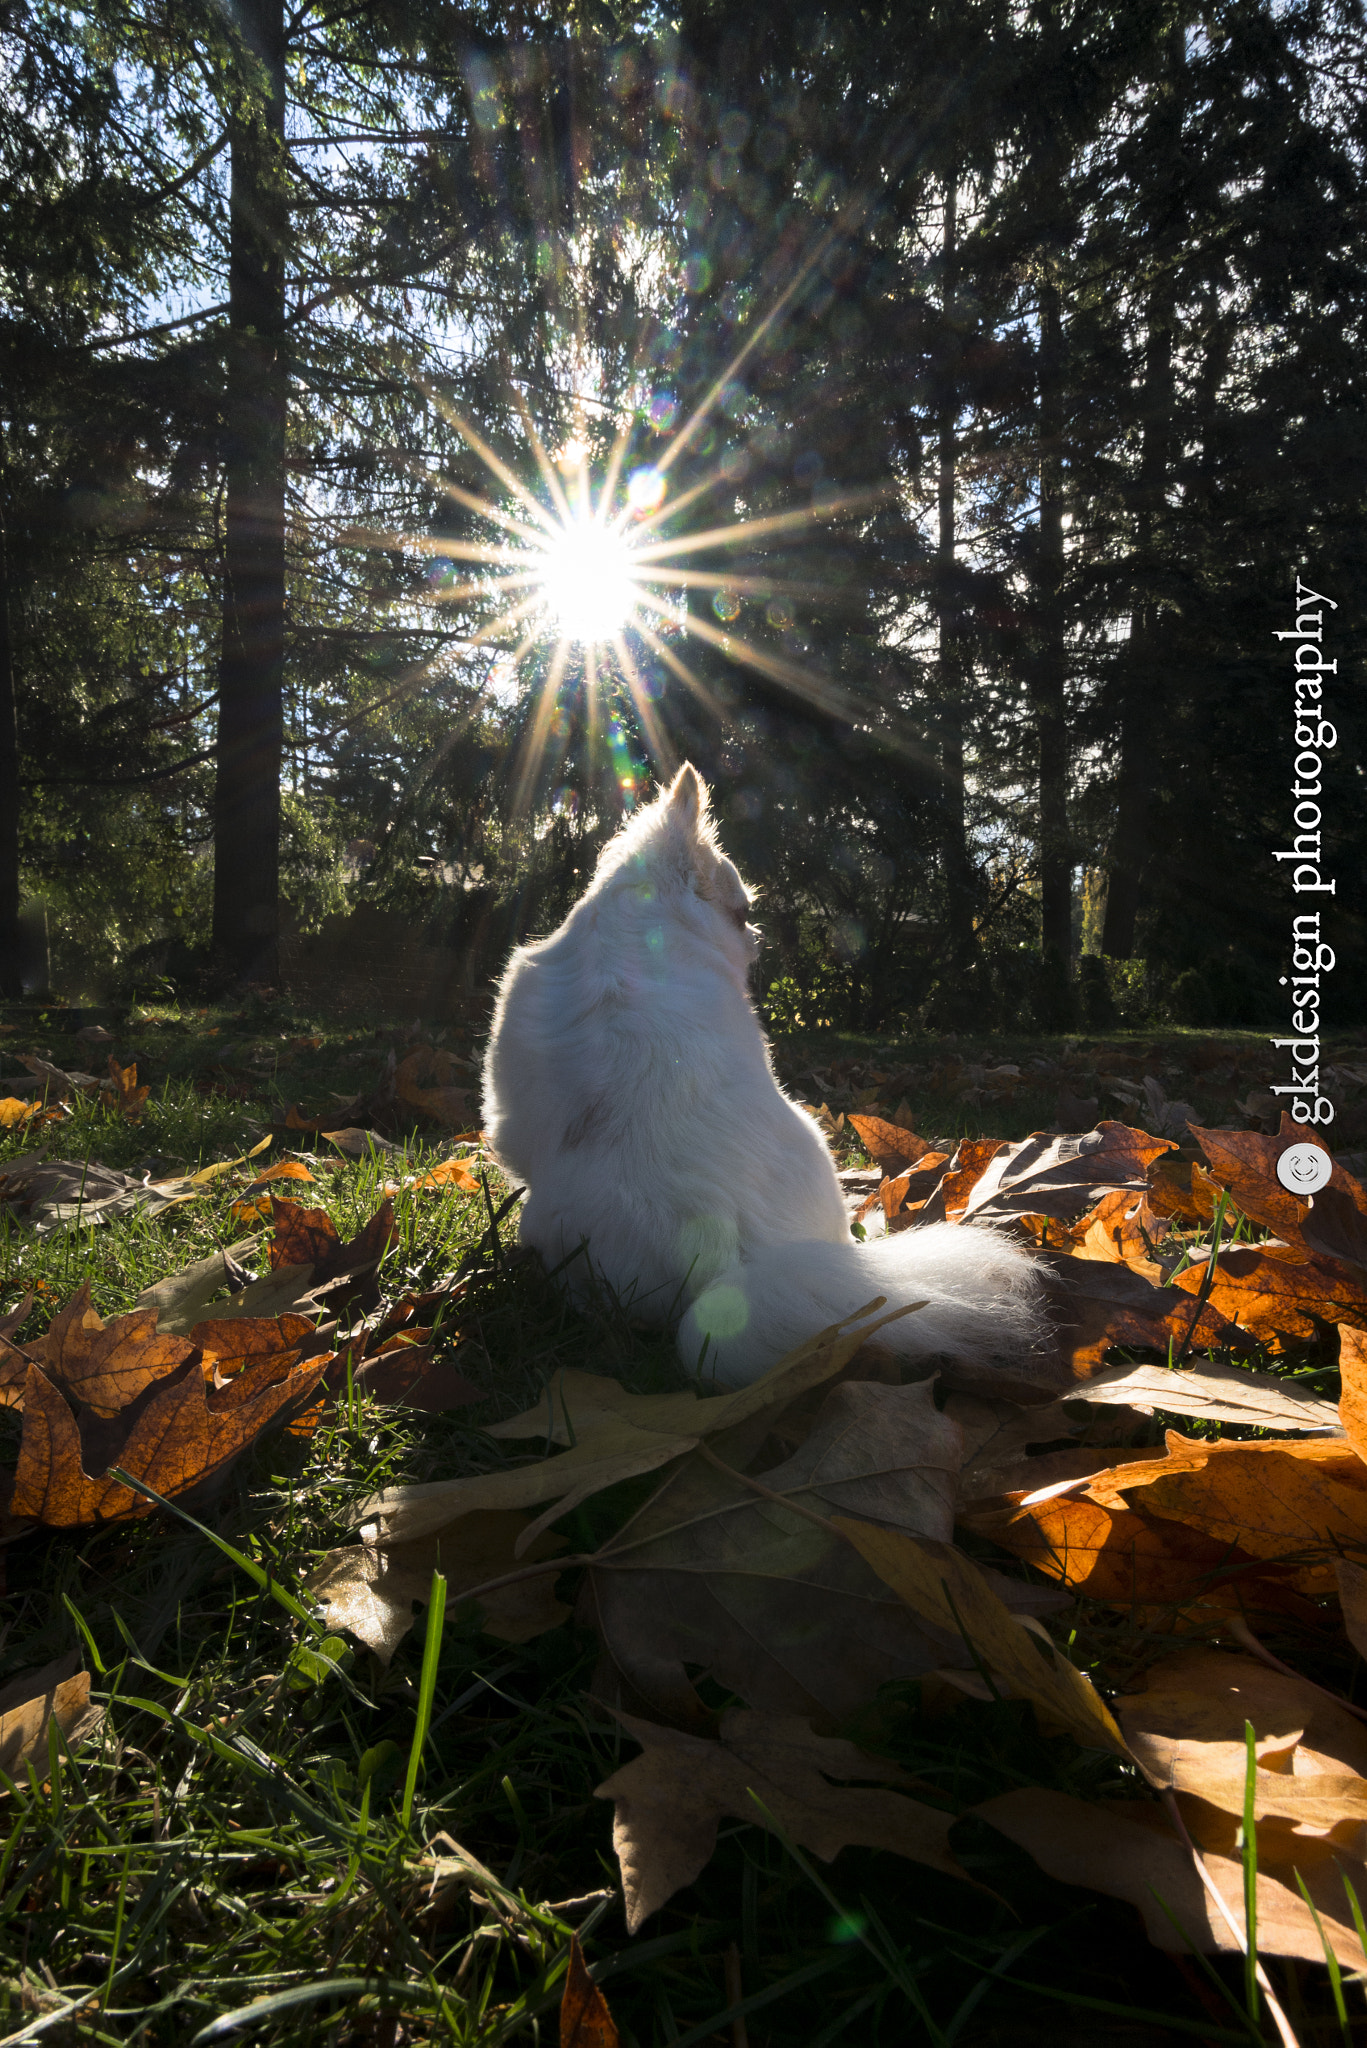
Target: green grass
column 258, row 1828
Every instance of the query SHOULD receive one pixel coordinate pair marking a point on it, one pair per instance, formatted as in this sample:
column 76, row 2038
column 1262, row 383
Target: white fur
column 628, row 1084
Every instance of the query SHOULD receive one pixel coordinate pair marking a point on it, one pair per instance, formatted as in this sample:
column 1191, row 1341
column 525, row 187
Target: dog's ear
column 687, row 797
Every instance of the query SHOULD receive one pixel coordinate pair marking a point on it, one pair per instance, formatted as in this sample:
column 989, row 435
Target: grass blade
column 1250, row 1860
column 427, row 1685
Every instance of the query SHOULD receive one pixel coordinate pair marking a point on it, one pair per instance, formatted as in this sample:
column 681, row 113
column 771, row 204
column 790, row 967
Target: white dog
column 629, row 1085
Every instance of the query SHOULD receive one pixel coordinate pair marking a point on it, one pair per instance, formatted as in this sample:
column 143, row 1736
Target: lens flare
column 645, row 490
column 586, row 582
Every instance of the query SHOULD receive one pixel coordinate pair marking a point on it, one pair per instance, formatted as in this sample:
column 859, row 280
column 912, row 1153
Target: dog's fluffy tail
column 983, row 1309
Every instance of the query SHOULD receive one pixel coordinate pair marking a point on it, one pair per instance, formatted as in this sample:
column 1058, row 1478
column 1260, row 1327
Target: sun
column 586, row 581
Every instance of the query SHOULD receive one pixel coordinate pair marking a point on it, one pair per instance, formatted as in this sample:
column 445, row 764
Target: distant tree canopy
column 970, row 386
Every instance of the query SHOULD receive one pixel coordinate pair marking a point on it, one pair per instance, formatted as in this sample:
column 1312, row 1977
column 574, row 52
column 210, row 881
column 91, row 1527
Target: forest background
column 992, row 370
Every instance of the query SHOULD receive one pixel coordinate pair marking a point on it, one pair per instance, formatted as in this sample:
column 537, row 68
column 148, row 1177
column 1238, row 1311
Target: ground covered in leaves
column 862, row 1728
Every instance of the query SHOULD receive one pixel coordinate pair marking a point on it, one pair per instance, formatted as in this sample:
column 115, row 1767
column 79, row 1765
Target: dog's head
column 670, row 853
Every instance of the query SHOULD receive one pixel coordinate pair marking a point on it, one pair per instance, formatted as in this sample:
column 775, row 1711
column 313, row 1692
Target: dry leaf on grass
column 1099, row 1304
column 49, row 1194
column 254, row 1201
column 1352, row 1588
column 1124, row 1556
column 1244, row 1163
column 1178, row 1189
column 450, row 1173
column 310, row 1235
column 355, row 1143
column 423, row 1081
column 1186, row 1732
column 403, row 1371
column 28, row 1702
column 105, row 1365
column 670, row 1801
column 614, row 1435
column 1122, row 1229
column 770, row 1601
column 1218, row 1393
column 230, row 1343
column 902, row 1198
column 585, row 2021
column 14, row 1112
column 370, row 1592
column 1294, row 1500
column 1337, row 1225
column 948, row 1590
column 1353, row 1385
column 121, row 1090
column 1062, row 1177
column 176, row 1434
column 57, row 1083
column 971, row 1161
column 1334, row 1224
column 1129, row 1851
column 890, row 1146
column 1278, row 1300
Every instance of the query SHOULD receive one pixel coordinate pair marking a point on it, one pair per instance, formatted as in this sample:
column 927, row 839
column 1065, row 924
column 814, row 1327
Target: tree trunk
column 251, row 673
column 1049, row 668
column 1141, row 708
column 11, row 963
column 954, row 831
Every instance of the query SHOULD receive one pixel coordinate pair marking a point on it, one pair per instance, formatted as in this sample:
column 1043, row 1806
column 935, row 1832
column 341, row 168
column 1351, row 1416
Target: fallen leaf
column 769, row 1769
column 54, row 1692
column 1352, row 1587
column 1046, row 1175
column 106, row 1365
column 51, row 1194
column 15, row 1318
column 1186, row 1732
column 288, row 1169
column 14, row 1112
column 947, row 1589
column 1245, row 1163
column 971, row 1161
column 309, row 1237
column 370, row 1592
column 403, row 1372
column 903, row 1199
column 1073, row 1113
column 230, row 1343
column 1122, row 1229
column 1119, row 1554
column 182, row 1298
column 1129, row 1852
column 174, row 1436
column 1337, row 1224
column 423, row 1081
column 1099, row 1304
column 57, row 1083
column 1178, row 1188
column 771, row 1602
column 1352, row 1363
column 614, row 1435
column 1218, row 1393
column 1276, row 1300
column 121, row 1090
column 355, row 1143
column 451, row 1173
column 890, row 1146
column 1299, row 1501
column 585, row 2021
